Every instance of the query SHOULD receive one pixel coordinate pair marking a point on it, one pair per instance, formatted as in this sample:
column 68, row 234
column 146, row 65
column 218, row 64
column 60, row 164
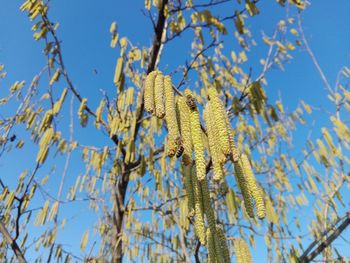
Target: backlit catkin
column 255, row 192
column 174, row 139
column 242, row 251
column 197, row 140
column 159, row 95
column 210, row 246
column 220, row 116
column 149, row 92
column 222, row 241
column 183, row 112
column 199, row 213
column 186, row 170
column 215, row 151
column 243, row 186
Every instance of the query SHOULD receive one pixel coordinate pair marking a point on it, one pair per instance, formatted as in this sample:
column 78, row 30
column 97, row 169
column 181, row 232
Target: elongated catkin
column 199, row 209
column 186, row 171
column 215, row 152
column 220, row 116
column 174, row 139
column 159, row 95
column 242, row 251
column 183, row 113
column 243, row 186
column 149, row 92
column 255, row 192
column 211, row 247
column 222, row 240
column 197, row 140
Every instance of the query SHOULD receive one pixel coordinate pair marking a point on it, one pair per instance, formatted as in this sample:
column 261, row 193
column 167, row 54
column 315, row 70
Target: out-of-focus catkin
column 183, row 113
column 223, row 245
column 149, row 92
column 243, row 186
column 159, row 95
column 199, row 213
column 255, row 192
column 196, row 135
column 215, row 152
column 220, row 116
column 242, row 251
column 174, row 140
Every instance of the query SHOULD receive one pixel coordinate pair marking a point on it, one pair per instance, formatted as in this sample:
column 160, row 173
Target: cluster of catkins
column 185, row 136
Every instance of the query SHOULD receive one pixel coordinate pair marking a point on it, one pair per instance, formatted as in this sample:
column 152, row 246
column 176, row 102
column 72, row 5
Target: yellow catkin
column 222, row 240
column 197, row 140
column 255, row 192
column 209, row 212
column 210, row 246
column 234, row 150
column 245, row 252
column 220, row 116
column 243, row 186
column 199, row 213
column 149, row 92
column 215, row 151
column 186, row 170
column 185, row 128
column 159, row 95
column 174, row 140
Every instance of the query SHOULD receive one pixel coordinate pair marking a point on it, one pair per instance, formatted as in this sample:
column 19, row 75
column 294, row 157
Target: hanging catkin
column 215, row 152
column 209, row 212
column 220, row 116
column 196, row 135
column 222, row 241
column 183, row 113
column 210, row 246
column 254, row 190
column 174, row 140
column 186, row 170
column 242, row 251
column 149, row 92
column 199, row 213
column 243, row 186
column 159, row 95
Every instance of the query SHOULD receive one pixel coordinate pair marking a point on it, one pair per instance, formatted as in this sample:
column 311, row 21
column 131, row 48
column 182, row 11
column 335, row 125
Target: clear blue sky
column 84, row 30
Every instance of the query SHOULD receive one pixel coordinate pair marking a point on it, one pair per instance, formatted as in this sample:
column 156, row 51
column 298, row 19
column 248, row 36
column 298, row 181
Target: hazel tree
column 197, row 164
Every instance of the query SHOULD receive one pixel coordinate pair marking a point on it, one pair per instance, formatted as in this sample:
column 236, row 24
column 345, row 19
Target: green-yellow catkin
column 220, row 116
column 199, row 213
column 197, row 140
column 171, row 119
column 242, row 251
column 255, row 192
column 183, row 112
column 159, row 95
column 245, row 252
column 215, row 151
column 222, row 241
column 149, row 92
column 186, row 170
column 209, row 212
column 234, row 150
column 211, row 247
column 243, row 186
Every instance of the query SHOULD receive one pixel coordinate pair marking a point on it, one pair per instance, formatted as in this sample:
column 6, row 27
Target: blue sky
column 84, row 29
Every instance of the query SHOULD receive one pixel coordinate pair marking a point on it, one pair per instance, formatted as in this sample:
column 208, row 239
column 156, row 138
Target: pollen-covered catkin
column 220, row 116
column 214, row 149
column 183, row 113
column 223, row 245
column 243, row 186
column 209, row 212
column 197, row 140
column 174, row 139
column 149, row 92
column 234, row 150
column 255, row 192
column 159, row 95
column 210, row 246
column 199, row 213
column 186, row 170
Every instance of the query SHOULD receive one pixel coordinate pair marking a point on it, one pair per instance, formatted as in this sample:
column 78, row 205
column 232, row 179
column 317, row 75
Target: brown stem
column 12, row 243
